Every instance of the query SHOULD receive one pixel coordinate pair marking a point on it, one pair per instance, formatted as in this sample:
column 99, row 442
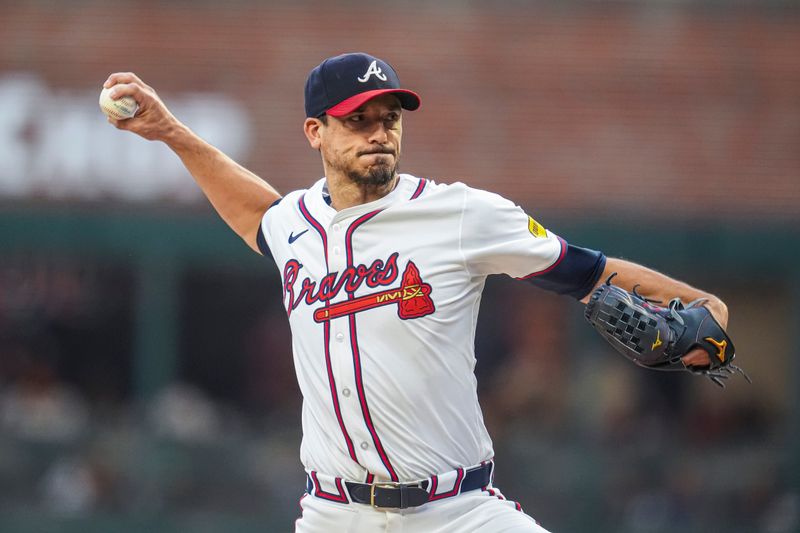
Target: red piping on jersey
column 551, row 267
column 317, row 226
column 341, row 497
column 517, row 505
column 420, row 187
column 327, row 333
column 456, row 487
column 348, row 245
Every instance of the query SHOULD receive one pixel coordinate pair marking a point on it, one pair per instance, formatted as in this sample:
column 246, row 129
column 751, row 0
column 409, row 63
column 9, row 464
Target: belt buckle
column 382, row 485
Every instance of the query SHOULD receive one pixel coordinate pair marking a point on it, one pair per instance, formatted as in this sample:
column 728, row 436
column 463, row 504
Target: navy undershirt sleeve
column 575, row 275
column 261, row 241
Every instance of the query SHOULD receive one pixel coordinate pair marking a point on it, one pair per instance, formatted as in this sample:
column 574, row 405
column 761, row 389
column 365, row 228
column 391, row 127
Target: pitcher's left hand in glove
column 658, row 337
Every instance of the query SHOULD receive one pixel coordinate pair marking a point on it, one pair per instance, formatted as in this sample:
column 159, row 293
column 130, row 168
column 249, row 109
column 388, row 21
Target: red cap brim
column 408, row 100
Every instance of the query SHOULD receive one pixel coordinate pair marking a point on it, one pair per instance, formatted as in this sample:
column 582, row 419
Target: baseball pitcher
column 382, row 275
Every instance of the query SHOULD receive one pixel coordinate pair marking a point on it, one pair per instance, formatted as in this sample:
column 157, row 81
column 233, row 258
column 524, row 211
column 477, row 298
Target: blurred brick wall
column 580, row 108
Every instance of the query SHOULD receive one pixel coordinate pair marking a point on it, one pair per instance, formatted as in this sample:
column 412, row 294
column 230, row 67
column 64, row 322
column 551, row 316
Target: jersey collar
column 318, row 198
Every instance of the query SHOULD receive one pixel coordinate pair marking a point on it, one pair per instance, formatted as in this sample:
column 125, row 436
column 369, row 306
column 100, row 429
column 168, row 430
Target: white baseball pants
column 476, row 511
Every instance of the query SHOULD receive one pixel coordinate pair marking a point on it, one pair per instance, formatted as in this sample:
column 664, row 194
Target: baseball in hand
column 120, row 109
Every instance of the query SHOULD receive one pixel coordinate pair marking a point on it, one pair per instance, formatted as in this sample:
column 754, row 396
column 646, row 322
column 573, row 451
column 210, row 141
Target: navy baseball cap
column 339, row 85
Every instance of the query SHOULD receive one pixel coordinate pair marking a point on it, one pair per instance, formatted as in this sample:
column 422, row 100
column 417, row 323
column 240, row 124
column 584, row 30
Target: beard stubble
column 376, row 175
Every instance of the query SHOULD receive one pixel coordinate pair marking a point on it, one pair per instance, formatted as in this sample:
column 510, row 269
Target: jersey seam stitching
column 461, row 234
column 476, row 305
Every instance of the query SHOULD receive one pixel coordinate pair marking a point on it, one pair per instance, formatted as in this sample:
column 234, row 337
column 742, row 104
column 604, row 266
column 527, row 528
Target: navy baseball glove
column 657, row 337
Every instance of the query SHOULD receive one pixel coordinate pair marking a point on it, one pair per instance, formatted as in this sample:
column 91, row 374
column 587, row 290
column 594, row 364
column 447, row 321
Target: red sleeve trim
column 561, row 255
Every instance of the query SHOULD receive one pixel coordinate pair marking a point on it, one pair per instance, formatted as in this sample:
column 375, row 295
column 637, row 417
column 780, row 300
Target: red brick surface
column 652, row 109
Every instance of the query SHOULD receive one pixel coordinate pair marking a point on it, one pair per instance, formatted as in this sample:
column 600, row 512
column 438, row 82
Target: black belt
column 405, row 495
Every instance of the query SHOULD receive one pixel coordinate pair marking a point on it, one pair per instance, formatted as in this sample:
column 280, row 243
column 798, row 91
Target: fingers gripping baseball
column 125, row 77
column 152, row 119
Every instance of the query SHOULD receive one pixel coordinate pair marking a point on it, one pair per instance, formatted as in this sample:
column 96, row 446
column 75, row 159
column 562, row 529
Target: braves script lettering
column 379, row 273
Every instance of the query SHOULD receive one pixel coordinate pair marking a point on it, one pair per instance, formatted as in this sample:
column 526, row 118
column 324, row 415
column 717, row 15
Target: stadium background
column 146, row 381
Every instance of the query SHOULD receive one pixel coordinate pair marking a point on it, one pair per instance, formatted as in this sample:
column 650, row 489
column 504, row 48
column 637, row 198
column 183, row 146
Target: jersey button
column 345, row 392
column 335, row 250
column 340, row 337
column 364, row 445
column 336, row 227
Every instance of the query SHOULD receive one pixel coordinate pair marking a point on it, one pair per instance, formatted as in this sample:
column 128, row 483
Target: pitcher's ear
column 313, row 128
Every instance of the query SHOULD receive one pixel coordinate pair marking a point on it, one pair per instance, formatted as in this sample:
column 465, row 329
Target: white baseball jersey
column 383, row 300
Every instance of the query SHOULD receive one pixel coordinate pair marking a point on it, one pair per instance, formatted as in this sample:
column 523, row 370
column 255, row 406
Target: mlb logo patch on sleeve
column 536, row 229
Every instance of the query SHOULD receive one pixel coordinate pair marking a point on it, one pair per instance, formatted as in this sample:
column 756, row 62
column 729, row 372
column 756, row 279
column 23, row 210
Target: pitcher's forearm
column 239, row 196
column 658, row 286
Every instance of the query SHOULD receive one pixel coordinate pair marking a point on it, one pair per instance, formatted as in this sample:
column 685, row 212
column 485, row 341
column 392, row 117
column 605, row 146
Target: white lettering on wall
column 57, row 144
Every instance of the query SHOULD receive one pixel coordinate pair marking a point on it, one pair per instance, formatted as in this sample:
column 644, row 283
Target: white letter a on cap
column 373, row 69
